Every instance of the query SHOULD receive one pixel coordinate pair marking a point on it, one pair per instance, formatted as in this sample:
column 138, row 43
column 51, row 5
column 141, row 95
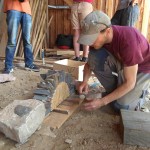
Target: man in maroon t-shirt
column 120, row 59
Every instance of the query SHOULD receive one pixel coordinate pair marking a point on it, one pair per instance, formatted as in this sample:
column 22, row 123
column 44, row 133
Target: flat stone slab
column 6, row 78
column 20, row 119
column 42, row 92
column 41, row 97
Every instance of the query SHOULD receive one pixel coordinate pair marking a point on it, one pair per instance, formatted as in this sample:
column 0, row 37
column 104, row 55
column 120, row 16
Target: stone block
column 20, row 119
column 135, row 127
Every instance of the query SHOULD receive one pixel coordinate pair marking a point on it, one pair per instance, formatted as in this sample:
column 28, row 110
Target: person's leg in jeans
column 13, row 21
column 130, row 16
column 26, row 24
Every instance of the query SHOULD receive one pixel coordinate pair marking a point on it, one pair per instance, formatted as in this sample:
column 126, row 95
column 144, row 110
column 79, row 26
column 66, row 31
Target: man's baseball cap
column 91, row 26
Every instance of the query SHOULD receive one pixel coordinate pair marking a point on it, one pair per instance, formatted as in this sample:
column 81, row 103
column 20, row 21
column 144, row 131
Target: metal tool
column 43, row 59
column 58, row 7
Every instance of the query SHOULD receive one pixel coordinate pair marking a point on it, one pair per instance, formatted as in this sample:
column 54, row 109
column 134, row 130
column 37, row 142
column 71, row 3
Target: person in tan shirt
column 18, row 13
column 79, row 10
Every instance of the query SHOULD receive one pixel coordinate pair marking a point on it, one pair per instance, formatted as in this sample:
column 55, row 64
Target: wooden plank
column 62, row 52
column 47, row 61
column 43, row 37
column 56, row 120
column 61, row 110
column 145, row 21
column 98, row 4
column 61, row 93
column 47, row 27
column 70, row 66
column 69, row 2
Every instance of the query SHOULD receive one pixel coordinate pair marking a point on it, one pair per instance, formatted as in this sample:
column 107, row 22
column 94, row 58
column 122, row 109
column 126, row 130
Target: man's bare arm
column 130, row 74
column 86, row 73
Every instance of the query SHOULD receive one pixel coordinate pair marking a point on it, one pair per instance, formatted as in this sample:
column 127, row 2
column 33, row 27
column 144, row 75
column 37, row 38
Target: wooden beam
column 47, row 61
column 69, row 2
column 55, row 120
column 145, row 21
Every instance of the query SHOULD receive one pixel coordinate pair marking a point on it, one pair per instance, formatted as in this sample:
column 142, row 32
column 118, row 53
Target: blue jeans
column 14, row 18
column 126, row 17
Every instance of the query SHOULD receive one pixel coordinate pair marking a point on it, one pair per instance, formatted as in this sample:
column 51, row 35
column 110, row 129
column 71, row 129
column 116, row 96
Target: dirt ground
column 98, row 130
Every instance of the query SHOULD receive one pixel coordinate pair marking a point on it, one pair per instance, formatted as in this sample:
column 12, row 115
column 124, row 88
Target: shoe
column 8, row 71
column 77, row 59
column 84, row 59
column 32, row 68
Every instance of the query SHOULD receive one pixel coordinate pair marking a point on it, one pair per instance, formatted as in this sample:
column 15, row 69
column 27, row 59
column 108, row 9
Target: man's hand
column 83, row 87
column 93, row 104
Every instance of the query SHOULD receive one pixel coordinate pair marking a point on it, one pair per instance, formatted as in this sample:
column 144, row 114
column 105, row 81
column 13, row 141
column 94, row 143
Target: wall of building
column 61, row 17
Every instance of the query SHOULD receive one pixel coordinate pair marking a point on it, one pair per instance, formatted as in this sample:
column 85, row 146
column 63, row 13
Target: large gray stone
column 20, row 119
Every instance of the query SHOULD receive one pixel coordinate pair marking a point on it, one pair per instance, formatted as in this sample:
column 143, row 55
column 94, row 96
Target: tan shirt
column 18, row 6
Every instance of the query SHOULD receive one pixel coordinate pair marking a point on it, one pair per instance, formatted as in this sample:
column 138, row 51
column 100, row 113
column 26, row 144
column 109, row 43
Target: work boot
column 77, row 59
column 84, row 59
column 8, row 71
column 32, row 68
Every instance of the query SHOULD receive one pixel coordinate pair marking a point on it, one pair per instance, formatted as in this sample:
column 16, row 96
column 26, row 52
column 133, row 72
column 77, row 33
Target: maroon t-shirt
column 130, row 47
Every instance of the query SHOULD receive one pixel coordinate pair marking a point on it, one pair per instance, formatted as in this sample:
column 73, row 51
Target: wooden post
column 69, row 2
column 145, row 21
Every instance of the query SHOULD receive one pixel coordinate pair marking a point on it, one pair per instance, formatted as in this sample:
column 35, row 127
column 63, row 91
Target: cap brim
column 87, row 39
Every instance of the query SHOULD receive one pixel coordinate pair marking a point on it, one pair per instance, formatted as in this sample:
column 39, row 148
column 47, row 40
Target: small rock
column 26, row 92
column 82, row 97
column 51, row 134
column 68, row 141
column 46, row 131
column 84, row 142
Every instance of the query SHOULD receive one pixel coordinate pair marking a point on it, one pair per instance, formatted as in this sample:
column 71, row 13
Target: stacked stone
column 47, row 87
